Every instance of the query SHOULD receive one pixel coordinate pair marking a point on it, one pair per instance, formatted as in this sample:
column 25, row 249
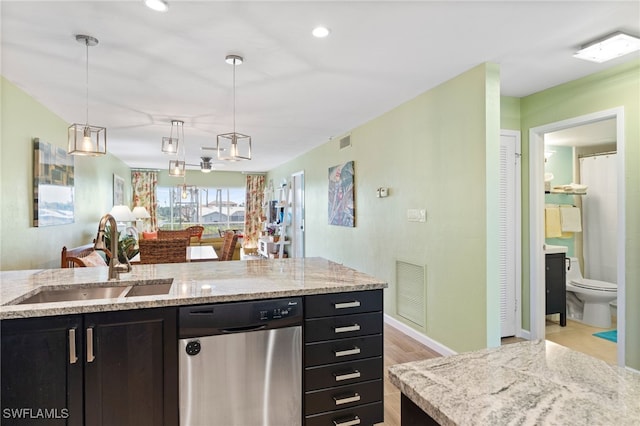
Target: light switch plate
column 416, row 215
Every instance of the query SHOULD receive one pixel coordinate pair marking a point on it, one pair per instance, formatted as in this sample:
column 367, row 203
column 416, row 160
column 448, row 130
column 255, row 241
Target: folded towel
column 552, row 228
column 570, row 219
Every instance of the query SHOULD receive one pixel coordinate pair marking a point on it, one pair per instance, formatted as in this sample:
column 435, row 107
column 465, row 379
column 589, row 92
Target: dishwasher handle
column 243, row 329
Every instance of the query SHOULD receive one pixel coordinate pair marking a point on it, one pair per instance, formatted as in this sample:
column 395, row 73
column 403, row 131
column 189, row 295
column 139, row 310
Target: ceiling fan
column 206, row 164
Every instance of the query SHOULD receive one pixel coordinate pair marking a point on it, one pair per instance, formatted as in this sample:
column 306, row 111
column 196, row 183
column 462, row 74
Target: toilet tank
column 573, row 269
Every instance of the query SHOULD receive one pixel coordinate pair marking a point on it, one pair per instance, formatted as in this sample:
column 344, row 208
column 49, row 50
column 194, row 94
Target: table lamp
column 141, row 214
column 122, row 214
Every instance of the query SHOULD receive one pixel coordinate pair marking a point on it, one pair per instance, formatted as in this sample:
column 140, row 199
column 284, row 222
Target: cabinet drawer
column 326, row 305
column 342, row 326
column 342, row 397
column 344, row 373
column 368, row 414
column 342, row 350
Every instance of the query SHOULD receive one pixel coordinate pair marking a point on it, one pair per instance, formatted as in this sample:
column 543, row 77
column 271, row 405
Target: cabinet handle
column 354, row 398
column 353, row 375
column 354, row 351
column 345, row 305
column 90, row 356
column 73, row 354
column 346, row 329
column 351, row 422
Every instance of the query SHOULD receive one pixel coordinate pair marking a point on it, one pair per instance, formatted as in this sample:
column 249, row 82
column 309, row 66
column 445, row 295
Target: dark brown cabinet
column 94, row 369
column 343, row 366
column 555, row 286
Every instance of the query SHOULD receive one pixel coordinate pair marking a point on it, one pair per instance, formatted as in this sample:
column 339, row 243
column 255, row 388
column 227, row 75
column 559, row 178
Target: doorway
column 297, row 220
column 536, row 214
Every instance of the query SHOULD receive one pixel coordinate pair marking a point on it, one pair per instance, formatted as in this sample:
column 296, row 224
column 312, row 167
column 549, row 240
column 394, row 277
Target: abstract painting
column 341, row 202
column 53, row 185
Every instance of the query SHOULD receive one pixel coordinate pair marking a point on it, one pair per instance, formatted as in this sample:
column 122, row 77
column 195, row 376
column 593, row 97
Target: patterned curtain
column 253, row 210
column 144, row 193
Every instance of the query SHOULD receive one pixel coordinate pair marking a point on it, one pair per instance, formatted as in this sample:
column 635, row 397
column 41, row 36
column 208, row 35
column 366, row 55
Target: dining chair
column 170, row 234
column 228, row 245
column 196, row 231
column 172, row 250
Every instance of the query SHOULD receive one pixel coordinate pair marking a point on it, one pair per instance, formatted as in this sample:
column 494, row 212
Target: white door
column 508, row 231
column 297, row 221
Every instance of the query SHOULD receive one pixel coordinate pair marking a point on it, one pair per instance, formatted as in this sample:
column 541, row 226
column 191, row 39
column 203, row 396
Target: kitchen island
column 527, row 383
column 85, row 350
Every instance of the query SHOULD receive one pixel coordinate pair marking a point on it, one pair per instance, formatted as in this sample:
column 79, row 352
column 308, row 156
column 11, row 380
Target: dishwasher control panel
column 233, row 317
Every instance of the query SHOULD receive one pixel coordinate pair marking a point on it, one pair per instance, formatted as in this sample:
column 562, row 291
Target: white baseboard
column 416, row 335
column 525, row 334
column 632, row 369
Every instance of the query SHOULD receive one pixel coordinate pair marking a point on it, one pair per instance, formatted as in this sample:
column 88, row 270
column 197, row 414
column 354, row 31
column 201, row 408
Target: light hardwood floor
column 398, row 348
column 579, row 337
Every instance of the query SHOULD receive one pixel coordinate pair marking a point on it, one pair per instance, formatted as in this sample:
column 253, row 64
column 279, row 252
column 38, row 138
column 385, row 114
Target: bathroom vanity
column 113, row 359
column 556, row 282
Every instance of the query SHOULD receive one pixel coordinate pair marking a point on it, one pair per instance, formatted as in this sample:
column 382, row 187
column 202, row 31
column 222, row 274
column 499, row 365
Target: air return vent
column 411, row 292
column 345, row 142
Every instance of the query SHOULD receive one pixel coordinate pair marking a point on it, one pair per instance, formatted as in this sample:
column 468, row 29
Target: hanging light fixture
column 85, row 139
column 177, row 167
column 205, row 165
column 170, row 144
column 234, row 146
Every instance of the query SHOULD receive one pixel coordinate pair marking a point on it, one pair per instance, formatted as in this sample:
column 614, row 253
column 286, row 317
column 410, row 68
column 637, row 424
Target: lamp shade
column 141, row 213
column 122, row 213
column 176, row 168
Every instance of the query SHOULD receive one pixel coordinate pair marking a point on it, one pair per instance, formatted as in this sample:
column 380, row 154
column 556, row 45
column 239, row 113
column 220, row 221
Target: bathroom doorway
column 537, row 203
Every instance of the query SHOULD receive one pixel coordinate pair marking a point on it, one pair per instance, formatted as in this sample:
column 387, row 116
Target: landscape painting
column 53, row 185
column 341, row 201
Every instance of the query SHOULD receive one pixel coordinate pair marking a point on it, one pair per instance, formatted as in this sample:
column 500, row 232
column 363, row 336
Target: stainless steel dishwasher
column 241, row 363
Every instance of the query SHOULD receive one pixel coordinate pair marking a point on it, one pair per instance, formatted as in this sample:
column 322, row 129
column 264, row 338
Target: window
column 217, row 209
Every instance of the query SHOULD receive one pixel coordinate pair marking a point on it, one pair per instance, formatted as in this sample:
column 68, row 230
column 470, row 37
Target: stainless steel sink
column 146, row 288
column 72, row 294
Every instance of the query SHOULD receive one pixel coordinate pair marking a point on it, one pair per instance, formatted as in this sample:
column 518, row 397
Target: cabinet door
column 555, row 284
column 42, row 371
column 131, row 373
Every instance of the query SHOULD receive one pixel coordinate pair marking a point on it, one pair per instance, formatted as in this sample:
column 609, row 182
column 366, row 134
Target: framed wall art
column 341, row 200
column 53, row 185
column 118, row 190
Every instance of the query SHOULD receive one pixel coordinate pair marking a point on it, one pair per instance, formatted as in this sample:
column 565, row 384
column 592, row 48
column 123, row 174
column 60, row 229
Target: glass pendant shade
column 176, row 168
column 170, row 145
column 85, row 139
column 234, row 147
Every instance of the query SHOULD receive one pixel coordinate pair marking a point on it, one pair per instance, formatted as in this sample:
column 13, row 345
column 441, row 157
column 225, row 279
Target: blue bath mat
column 611, row 335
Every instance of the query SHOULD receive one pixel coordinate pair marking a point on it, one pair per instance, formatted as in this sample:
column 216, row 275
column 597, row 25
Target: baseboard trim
column 416, row 335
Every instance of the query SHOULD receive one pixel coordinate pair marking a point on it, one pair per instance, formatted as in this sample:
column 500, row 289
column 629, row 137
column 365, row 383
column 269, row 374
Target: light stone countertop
column 193, row 283
column 526, row 383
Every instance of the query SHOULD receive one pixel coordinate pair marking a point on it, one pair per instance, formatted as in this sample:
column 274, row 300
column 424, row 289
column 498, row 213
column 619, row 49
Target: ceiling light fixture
column 234, row 146
column 170, row 144
column 157, row 5
column 610, row 47
column 320, row 32
column 177, row 167
column 85, row 139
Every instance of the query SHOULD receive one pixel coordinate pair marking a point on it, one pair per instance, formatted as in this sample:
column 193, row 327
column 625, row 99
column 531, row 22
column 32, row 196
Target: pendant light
column 170, row 144
column 234, row 146
column 85, row 139
column 177, row 167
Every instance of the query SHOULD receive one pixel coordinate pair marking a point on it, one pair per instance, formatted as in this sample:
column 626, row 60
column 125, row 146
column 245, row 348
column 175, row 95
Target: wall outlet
column 416, row 215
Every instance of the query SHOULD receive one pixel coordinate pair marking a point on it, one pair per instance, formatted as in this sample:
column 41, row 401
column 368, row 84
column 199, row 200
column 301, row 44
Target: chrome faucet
column 115, row 266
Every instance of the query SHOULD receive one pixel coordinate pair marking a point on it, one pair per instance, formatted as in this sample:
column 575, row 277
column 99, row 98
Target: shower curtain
column 600, row 217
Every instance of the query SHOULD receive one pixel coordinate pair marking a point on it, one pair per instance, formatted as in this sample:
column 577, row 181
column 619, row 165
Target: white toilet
column 594, row 297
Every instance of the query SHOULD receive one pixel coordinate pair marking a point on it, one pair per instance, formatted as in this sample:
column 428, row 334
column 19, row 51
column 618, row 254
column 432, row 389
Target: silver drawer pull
column 348, row 328
column 354, row 398
column 354, row 375
column 345, row 305
column 73, row 355
column 90, row 356
column 354, row 351
column 353, row 422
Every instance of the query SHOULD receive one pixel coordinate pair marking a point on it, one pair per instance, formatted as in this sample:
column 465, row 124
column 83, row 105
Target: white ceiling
column 600, row 132
column 294, row 92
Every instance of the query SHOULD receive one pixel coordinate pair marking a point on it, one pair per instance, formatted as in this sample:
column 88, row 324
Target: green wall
column 616, row 87
column 213, row 179
column 23, row 246
column 435, row 152
column 561, row 165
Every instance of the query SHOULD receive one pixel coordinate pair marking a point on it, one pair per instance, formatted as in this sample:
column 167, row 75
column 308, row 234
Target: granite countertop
column 527, row 383
column 193, row 283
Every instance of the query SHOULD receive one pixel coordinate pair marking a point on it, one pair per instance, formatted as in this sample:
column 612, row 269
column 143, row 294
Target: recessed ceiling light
column 158, row 5
column 611, row 47
column 320, row 32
